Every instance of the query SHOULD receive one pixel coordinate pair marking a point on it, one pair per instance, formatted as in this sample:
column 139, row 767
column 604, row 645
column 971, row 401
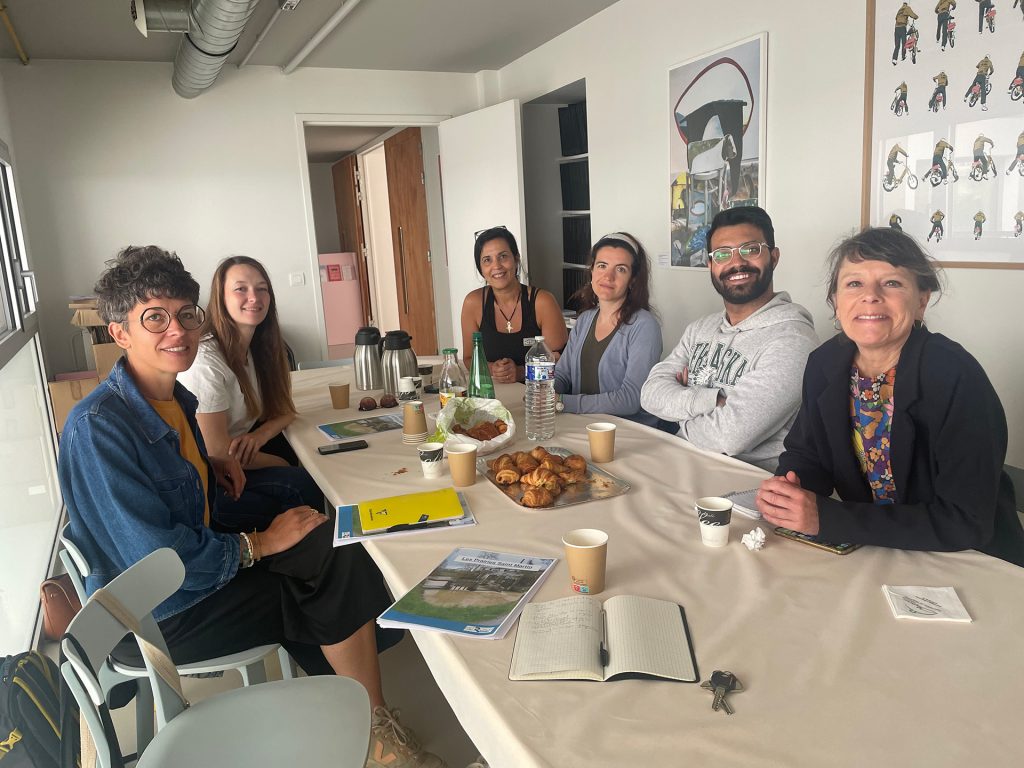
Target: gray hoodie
column 757, row 365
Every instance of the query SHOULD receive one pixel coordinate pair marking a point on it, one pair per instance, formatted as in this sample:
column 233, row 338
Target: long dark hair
column 267, row 347
column 638, row 294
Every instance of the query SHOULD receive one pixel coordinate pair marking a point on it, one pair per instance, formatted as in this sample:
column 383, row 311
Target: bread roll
column 575, row 462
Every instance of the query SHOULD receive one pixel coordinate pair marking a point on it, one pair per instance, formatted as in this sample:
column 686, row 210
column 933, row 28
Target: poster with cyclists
column 947, row 126
column 716, row 142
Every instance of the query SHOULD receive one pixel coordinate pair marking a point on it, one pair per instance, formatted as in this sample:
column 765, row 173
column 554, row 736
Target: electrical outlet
column 296, row 279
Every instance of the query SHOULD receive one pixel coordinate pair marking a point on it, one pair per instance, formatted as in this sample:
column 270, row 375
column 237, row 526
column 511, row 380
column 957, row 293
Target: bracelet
column 257, row 546
column 246, row 552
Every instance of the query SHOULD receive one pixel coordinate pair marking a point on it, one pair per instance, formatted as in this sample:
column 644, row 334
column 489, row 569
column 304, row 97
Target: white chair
column 306, row 721
column 251, row 664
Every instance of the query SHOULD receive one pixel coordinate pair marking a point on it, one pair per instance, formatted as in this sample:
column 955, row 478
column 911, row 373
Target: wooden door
column 403, row 155
column 350, row 223
column 482, row 180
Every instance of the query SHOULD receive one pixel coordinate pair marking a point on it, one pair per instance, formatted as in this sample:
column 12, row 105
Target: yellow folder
column 409, row 510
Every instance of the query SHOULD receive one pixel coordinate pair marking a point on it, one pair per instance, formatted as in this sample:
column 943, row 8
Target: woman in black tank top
column 506, row 312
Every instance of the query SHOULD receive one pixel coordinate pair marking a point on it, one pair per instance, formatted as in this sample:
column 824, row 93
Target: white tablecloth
column 831, row 677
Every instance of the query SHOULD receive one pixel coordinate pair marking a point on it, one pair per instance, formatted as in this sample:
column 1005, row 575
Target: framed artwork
column 944, row 127
column 716, row 141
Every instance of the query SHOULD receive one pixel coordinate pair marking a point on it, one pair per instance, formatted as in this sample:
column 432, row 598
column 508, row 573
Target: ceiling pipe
column 215, row 29
column 325, row 30
column 13, row 35
column 259, row 38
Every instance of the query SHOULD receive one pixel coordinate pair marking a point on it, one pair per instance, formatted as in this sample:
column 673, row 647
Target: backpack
column 30, row 716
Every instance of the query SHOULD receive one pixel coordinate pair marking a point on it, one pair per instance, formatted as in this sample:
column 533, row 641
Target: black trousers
column 942, row 29
column 901, row 40
column 314, row 594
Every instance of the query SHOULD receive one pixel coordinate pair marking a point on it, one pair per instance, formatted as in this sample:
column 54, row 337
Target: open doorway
column 375, row 200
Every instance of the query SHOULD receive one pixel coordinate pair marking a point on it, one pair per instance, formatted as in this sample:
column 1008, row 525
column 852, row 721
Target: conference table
column 830, row 677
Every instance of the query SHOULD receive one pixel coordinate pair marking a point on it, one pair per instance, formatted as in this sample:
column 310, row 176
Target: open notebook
column 575, row 638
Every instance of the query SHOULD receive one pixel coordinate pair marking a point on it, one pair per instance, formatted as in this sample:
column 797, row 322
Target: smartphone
column 835, row 549
column 351, row 445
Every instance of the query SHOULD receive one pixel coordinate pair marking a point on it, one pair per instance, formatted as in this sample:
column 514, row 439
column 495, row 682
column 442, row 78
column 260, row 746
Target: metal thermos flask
column 367, row 359
column 399, row 360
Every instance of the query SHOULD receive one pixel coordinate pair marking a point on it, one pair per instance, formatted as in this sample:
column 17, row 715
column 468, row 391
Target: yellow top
column 945, row 6
column 938, row 216
column 941, row 79
column 985, row 66
column 979, row 217
column 981, row 141
column 942, row 146
column 170, row 411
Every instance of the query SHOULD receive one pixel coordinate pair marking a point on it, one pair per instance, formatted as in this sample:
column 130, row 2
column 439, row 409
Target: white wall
column 110, row 155
column 812, row 178
column 325, row 214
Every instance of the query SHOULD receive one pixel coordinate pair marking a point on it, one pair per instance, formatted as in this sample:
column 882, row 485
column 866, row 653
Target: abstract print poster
column 716, row 141
column 947, row 148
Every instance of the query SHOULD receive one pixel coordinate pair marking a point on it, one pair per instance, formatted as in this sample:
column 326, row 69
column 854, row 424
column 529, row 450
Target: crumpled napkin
column 754, row 541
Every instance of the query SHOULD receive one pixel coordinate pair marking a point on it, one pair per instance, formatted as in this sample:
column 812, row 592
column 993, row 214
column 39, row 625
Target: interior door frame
column 303, row 119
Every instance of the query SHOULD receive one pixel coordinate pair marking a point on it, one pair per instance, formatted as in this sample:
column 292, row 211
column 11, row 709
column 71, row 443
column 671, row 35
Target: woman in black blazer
column 903, row 424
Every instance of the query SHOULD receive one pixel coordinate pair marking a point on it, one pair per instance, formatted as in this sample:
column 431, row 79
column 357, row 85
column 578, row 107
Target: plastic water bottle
column 540, row 391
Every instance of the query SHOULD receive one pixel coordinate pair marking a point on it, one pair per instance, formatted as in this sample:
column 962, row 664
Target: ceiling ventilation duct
column 160, row 15
column 216, row 27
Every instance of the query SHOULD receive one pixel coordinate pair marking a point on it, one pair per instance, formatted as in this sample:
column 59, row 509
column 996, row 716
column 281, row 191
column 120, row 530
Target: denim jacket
column 129, row 492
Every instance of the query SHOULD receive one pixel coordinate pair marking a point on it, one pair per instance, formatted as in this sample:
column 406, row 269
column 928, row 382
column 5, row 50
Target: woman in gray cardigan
column 617, row 340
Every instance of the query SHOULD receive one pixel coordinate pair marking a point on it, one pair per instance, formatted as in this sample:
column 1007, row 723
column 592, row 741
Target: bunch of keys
column 720, row 684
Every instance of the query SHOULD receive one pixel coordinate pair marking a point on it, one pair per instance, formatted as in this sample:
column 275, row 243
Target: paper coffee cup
column 407, row 389
column 586, row 553
column 462, row 464
column 714, row 515
column 417, row 383
column 431, row 459
column 414, row 421
column 602, row 441
column 339, row 396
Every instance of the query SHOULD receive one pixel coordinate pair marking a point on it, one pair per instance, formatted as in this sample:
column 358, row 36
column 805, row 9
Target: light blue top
column 633, row 351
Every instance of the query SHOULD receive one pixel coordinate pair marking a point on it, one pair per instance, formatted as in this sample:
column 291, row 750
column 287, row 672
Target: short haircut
column 140, row 273
column 494, row 233
column 747, row 214
column 884, row 244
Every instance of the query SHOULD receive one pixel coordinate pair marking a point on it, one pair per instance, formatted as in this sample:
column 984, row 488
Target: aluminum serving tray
column 598, row 485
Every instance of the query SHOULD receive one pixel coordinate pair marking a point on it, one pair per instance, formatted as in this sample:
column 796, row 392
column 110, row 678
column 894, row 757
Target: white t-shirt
column 212, row 381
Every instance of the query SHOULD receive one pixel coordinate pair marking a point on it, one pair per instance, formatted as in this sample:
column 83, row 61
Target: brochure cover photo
column 472, row 593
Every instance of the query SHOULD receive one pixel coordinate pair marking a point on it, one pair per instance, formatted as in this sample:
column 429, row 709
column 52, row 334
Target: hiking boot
column 393, row 745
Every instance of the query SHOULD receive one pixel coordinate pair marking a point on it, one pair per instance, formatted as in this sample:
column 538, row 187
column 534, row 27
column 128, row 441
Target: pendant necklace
column 508, row 318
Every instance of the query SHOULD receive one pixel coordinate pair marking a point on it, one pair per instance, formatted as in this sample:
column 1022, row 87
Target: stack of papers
column 401, row 516
column 925, row 603
column 744, row 502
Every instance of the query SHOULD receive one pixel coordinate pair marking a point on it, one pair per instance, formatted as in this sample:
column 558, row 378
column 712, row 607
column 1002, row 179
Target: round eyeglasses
column 158, row 319
column 746, row 251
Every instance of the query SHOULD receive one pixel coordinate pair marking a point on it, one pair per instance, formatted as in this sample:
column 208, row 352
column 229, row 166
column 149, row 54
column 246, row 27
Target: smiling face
column 740, row 281
column 612, row 273
column 498, row 264
column 156, row 359
column 876, row 305
column 246, row 295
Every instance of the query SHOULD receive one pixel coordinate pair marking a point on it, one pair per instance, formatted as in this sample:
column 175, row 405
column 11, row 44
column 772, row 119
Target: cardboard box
column 105, row 356
column 64, row 395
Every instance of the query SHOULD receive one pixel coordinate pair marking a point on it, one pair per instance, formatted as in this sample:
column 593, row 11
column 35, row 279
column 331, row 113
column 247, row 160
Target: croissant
column 506, row 476
column 538, row 497
column 554, row 463
column 539, row 452
column 575, row 462
column 519, row 456
column 572, row 476
column 503, row 462
column 542, row 478
column 526, row 464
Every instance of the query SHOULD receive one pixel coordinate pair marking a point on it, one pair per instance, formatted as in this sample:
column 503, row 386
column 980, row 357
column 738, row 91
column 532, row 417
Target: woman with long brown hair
column 243, row 384
column 616, row 340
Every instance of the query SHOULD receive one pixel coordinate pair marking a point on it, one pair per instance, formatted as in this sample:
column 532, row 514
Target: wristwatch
column 559, row 405
column 245, row 551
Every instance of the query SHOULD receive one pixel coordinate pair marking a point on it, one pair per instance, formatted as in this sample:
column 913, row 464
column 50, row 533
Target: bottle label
column 540, row 371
